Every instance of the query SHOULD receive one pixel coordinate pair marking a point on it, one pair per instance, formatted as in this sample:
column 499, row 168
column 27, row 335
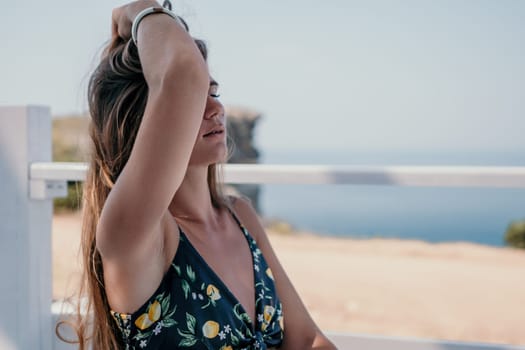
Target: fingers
column 114, row 26
column 120, row 23
column 122, row 17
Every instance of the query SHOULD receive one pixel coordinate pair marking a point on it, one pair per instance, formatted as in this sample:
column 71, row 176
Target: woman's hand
column 122, row 17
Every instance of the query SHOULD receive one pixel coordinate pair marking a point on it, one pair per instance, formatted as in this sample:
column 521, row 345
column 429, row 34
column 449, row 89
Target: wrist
column 149, row 11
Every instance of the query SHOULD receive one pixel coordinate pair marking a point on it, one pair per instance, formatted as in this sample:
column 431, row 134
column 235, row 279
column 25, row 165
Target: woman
column 169, row 261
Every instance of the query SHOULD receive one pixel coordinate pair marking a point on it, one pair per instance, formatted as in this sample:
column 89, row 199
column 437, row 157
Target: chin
column 215, row 156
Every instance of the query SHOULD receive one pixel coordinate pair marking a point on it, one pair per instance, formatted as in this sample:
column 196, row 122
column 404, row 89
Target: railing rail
column 432, row 176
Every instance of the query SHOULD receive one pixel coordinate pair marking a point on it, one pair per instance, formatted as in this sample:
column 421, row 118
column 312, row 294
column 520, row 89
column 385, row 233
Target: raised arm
column 178, row 80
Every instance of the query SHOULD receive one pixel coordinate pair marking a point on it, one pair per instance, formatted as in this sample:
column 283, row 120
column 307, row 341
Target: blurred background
column 331, row 82
column 337, row 82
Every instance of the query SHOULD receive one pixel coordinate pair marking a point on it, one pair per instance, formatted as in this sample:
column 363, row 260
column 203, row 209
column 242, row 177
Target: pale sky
column 346, row 75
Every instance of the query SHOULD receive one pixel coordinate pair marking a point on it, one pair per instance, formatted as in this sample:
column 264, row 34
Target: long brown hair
column 117, row 96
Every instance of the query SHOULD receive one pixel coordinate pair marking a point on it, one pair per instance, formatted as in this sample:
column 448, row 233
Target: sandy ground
column 453, row 291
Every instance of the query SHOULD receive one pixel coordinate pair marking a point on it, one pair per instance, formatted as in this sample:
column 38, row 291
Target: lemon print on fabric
column 269, row 273
column 151, row 316
column 268, row 313
column 212, row 292
column 210, row 329
column 224, row 347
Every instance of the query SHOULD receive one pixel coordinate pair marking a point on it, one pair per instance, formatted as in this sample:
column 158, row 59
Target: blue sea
column 479, row 215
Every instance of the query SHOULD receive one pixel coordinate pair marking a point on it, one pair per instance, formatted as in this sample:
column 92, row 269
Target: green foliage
column 515, row 235
column 280, row 226
column 73, row 201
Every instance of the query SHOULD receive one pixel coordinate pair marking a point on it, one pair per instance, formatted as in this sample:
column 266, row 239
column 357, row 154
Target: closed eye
column 214, row 89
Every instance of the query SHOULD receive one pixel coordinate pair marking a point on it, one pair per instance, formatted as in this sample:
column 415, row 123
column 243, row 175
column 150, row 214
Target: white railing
column 30, row 181
column 56, row 174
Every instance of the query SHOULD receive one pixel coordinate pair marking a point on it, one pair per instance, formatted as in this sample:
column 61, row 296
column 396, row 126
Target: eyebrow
column 213, row 83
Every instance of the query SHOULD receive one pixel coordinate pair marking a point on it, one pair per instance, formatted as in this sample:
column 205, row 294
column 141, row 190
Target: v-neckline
column 253, row 322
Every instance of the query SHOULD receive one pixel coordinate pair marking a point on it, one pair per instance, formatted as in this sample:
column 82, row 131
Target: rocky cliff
column 241, row 123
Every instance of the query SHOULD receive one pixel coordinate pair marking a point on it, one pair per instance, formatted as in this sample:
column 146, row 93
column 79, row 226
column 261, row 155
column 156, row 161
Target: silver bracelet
column 148, row 11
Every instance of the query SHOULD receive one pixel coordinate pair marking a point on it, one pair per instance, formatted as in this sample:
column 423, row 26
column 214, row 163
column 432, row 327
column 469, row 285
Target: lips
column 216, row 130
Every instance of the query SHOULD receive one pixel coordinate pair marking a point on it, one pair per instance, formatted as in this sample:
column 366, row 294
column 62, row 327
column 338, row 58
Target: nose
column 214, row 108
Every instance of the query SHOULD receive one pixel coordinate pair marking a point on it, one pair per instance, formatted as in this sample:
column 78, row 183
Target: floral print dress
column 193, row 308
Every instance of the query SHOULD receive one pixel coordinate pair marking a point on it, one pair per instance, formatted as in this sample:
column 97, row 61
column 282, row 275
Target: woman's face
column 210, row 146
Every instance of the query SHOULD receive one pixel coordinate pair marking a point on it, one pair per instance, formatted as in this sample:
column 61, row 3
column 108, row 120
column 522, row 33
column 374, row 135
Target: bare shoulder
column 248, row 216
column 242, row 203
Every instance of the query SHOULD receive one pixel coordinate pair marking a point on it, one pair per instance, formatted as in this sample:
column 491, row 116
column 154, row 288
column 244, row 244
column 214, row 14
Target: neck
column 192, row 202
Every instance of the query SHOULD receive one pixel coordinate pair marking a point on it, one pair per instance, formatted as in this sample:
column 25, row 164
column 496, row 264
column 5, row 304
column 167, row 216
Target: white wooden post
column 25, row 230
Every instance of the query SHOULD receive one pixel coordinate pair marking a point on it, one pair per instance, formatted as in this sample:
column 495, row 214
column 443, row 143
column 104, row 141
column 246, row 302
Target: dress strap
column 235, row 217
column 242, row 227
